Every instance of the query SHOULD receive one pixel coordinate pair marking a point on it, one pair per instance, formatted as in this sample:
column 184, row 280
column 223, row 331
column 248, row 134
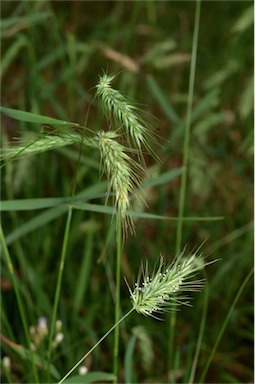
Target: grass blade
column 162, row 100
column 30, row 117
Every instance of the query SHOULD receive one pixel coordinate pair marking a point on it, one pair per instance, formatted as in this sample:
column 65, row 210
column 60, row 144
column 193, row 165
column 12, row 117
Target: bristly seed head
column 123, row 173
column 117, row 107
column 163, row 290
column 35, row 145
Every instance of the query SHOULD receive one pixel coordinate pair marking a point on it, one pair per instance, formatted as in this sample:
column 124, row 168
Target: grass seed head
column 166, row 288
column 123, row 173
column 118, row 108
column 41, row 144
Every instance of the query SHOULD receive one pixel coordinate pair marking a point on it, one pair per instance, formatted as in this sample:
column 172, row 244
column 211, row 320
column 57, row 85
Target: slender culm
column 118, row 108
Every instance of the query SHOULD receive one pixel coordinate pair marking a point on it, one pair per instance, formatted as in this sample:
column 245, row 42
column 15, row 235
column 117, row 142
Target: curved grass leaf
column 28, row 20
column 91, row 377
column 25, row 354
column 163, row 178
column 11, row 53
column 142, row 215
column 129, row 359
column 36, row 223
column 162, row 99
column 30, row 117
column 55, row 212
column 32, row 204
column 93, row 192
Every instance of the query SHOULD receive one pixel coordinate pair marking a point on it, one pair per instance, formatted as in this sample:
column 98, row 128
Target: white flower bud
column 32, row 330
column 59, row 337
column 58, row 325
column 83, row 370
column 7, row 362
column 42, row 326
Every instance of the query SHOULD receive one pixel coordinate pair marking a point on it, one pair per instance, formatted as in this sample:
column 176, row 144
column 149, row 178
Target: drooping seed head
column 123, row 173
column 139, row 135
column 36, row 145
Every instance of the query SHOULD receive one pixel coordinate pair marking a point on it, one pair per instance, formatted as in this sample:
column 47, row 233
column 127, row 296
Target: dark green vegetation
column 52, row 55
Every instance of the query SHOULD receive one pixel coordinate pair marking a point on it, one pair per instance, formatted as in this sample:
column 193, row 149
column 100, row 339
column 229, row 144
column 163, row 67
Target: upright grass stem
column 19, row 300
column 187, row 129
column 185, row 166
column 59, row 280
column 200, row 335
column 223, row 327
column 62, row 263
column 117, row 298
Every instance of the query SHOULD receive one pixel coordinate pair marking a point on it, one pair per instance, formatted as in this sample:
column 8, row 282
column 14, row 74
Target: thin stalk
column 224, row 325
column 185, row 166
column 59, row 280
column 172, row 322
column 61, row 265
column 7, row 373
column 21, row 308
column 200, row 335
column 94, row 347
column 187, row 128
column 117, row 299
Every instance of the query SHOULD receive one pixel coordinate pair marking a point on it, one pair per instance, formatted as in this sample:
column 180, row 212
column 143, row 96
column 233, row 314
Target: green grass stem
column 96, row 345
column 223, row 327
column 187, row 129
column 59, row 280
column 84, row 275
column 62, row 261
column 6, row 372
column 19, row 300
column 185, row 167
column 117, row 298
column 200, row 334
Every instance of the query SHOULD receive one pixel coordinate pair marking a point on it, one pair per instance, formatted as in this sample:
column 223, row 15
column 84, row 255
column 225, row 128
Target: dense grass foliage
column 53, row 54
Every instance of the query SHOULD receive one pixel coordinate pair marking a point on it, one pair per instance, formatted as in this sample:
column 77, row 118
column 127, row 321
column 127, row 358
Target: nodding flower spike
column 39, row 144
column 123, row 173
column 117, row 107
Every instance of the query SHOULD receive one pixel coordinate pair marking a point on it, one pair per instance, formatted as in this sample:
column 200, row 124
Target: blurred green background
column 52, row 55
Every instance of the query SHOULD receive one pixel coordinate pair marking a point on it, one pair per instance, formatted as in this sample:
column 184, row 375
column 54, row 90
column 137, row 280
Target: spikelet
column 116, row 107
column 38, row 145
column 123, row 173
column 163, row 289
